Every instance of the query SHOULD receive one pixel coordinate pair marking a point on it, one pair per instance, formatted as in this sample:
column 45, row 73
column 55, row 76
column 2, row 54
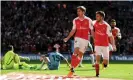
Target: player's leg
column 92, row 55
column 8, row 61
column 90, row 51
column 80, row 64
column 105, row 57
column 92, row 59
column 16, row 66
column 45, row 60
column 80, row 46
column 97, row 66
column 8, row 66
column 2, row 63
column 98, row 56
column 24, row 58
column 78, row 53
column 75, row 60
column 110, row 51
column 22, row 65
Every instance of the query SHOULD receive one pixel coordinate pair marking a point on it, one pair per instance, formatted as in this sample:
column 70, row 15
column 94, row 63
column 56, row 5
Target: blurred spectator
column 32, row 26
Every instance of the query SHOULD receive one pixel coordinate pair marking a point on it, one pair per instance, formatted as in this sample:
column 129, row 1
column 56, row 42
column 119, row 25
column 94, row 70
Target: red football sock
column 75, row 61
column 97, row 68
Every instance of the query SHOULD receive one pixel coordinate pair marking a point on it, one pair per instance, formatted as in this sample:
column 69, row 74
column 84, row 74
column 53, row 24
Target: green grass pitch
column 117, row 69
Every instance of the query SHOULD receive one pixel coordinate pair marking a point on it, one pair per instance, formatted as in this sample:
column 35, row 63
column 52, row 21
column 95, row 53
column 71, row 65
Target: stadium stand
column 32, row 26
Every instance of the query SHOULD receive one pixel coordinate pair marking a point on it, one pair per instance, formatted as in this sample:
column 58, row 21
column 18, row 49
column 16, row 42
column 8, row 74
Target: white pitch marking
column 38, row 77
column 3, row 77
column 44, row 77
column 20, row 76
column 84, row 79
column 30, row 76
column 60, row 78
column 67, row 78
column 76, row 79
column 52, row 77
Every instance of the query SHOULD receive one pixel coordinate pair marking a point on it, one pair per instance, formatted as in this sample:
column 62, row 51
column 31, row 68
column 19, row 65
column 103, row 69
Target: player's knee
column 46, row 60
column 22, row 63
column 97, row 61
column 80, row 54
column 16, row 58
column 76, row 50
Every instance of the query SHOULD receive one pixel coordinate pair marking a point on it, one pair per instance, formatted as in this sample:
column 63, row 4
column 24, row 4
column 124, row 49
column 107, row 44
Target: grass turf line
column 118, row 69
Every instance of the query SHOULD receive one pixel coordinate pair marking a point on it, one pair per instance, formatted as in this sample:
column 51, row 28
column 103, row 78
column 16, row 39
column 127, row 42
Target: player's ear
column 84, row 12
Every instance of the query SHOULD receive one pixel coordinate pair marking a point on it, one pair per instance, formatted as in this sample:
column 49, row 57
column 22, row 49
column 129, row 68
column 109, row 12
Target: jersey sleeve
column 74, row 24
column 119, row 33
column 91, row 24
column 109, row 33
column 61, row 55
column 47, row 55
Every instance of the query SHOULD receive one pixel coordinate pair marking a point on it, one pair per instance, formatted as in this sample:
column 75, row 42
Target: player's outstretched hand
column 65, row 39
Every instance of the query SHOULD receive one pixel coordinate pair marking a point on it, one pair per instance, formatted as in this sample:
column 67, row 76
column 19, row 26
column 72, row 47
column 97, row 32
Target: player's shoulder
column 93, row 22
column 10, row 51
column 106, row 24
column 88, row 18
column 51, row 53
column 58, row 53
column 76, row 18
column 117, row 28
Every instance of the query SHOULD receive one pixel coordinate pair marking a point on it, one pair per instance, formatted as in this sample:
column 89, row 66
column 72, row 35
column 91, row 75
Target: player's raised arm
column 71, row 33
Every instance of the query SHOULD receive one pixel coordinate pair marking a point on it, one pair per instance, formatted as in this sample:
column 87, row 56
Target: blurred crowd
column 34, row 26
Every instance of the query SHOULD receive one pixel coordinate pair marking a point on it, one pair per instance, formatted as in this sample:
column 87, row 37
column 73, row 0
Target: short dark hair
column 113, row 20
column 82, row 8
column 101, row 13
column 53, row 49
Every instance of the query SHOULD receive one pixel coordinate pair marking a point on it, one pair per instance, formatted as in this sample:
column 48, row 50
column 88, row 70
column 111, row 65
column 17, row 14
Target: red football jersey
column 82, row 27
column 115, row 32
column 101, row 34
